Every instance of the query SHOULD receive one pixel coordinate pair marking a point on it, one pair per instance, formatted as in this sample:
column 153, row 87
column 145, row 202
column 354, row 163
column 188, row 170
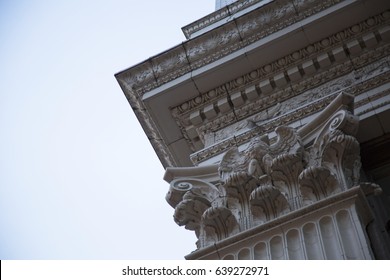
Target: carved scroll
column 262, row 182
column 191, row 198
column 218, row 223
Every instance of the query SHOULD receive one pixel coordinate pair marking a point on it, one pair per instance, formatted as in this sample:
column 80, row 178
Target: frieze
column 307, row 7
column 253, row 107
column 200, row 56
column 285, row 62
column 297, row 114
column 369, row 84
column 246, row 124
column 276, row 100
column 290, row 92
column 266, row 127
column 373, row 108
column 277, row 16
column 170, row 65
column 370, row 99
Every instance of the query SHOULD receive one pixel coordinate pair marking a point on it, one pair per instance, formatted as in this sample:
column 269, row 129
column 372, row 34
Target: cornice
column 323, row 97
column 149, row 127
column 219, row 15
column 283, row 63
column 218, row 43
column 337, row 66
column 209, row 47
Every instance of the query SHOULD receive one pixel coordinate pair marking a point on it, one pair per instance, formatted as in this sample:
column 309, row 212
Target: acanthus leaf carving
column 238, row 188
column 342, row 156
column 217, row 223
column 191, row 198
column 285, row 171
column 317, row 183
column 188, row 213
column 342, row 122
column 267, row 203
column 261, row 182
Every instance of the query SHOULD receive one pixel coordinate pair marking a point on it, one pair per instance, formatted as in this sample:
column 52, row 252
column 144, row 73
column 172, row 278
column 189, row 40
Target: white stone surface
column 265, row 159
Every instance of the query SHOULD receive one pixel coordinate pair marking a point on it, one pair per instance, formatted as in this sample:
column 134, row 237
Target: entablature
column 289, row 90
column 282, row 50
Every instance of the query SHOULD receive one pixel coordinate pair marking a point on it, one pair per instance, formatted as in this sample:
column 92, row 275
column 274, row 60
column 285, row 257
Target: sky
column 78, row 177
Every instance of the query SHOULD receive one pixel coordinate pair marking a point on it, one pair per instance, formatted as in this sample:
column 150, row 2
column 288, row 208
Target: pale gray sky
column 78, row 177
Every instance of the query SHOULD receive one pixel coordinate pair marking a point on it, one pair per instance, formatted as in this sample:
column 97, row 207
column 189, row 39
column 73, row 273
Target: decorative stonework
column 246, row 96
column 292, row 110
column 218, row 15
column 267, row 203
column 317, row 183
column 222, row 41
column 244, row 102
column 256, row 119
column 294, row 115
column 326, row 229
column 266, row 181
column 357, row 31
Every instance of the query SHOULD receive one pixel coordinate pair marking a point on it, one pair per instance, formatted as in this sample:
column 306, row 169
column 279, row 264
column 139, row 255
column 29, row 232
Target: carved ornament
column 267, row 180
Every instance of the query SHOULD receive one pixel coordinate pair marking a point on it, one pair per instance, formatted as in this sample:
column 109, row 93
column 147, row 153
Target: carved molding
column 275, row 106
column 218, row 15
column 294, row 59
column 175, row 65
column 308, row 109
column 216, row 44
column 280, row 100
column 267, row 180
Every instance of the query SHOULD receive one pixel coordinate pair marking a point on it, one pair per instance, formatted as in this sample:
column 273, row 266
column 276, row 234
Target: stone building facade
column 272, row 120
